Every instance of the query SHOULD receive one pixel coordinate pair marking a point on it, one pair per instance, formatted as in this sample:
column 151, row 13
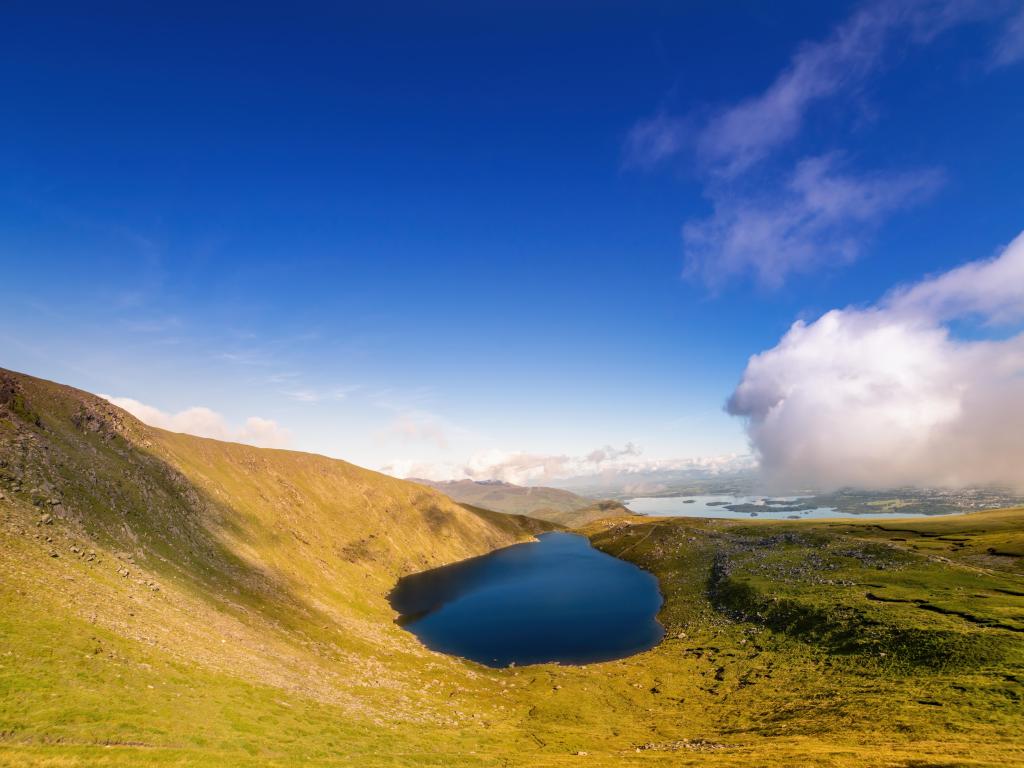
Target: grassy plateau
column 168, row 600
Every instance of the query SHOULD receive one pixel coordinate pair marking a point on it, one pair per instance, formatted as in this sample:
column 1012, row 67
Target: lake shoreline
column 752, row 507
column 555, row 600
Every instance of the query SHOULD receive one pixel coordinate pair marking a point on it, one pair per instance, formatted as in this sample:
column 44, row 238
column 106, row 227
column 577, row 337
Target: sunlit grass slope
column 168, row 600
column 132, row 557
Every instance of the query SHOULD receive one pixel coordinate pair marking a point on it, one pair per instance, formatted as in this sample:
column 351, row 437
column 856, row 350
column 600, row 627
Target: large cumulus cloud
column 889, row 395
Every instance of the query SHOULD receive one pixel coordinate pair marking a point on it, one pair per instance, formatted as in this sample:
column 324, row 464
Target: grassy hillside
column 848, row 642
column 596, row 510
column 194, row 559
column 551, row 504
column 168, row 600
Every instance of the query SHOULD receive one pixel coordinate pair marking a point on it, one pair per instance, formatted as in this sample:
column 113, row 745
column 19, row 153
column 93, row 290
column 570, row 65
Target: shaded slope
column 263, row 563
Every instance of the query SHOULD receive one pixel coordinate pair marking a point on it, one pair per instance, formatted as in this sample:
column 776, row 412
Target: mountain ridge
column 277, row 548
column 171, row 600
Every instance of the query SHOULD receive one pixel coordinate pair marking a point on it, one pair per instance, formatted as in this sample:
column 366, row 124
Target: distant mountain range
column 552, row 504
column 168, row 599
column 737, row 476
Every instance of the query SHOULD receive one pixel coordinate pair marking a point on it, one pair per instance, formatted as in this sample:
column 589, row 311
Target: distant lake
column 766, row 507
column 554, row 600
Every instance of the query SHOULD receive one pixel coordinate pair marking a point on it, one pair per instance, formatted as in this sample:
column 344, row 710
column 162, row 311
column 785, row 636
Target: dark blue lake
column 554, row 600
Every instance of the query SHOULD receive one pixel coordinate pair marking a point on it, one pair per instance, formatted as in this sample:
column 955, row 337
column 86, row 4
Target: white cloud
column 657, row 138
column 609, row 453
column 420, row 426
column 522, row 468
column 511, row 467
column 204, row 422
column 814, row 216
column 739, row 136
column 886, row 396
column 992, row 290
column 266, row 433
column 821, row 217
column 744, row 134
column 1009, row 48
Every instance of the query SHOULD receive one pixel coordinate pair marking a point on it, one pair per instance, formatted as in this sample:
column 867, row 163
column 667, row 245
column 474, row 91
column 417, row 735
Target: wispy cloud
column 655, row 139
column 412, row 419
column 821, row 216
column 252, row 357
column 154, row 324
column 609, row 453
column 1009, row 48
column 736, row 137
column 991, row 290
column 421, row 426
column 320, row 395
column 205, row 422
column 740, row 136
column 815, row 215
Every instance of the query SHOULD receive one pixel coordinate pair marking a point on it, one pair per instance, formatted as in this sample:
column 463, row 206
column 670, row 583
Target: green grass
column 268, row 639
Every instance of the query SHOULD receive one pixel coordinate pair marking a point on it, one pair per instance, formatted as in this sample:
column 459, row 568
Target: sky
column 528, row 240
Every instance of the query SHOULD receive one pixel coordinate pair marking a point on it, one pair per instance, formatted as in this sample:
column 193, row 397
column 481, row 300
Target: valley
column 554, row 505
column 512, row 385
column 172, row 600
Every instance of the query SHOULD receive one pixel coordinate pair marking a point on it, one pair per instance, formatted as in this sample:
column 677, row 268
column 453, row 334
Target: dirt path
column 640, row 541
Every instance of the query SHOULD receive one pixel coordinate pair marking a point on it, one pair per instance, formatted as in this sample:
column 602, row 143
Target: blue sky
column 418, row 238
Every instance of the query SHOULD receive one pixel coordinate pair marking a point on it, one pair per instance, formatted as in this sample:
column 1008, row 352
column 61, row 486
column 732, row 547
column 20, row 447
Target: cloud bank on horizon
column 887, row 395
column 205, row 422
column 523, row 468
column 611, row 464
